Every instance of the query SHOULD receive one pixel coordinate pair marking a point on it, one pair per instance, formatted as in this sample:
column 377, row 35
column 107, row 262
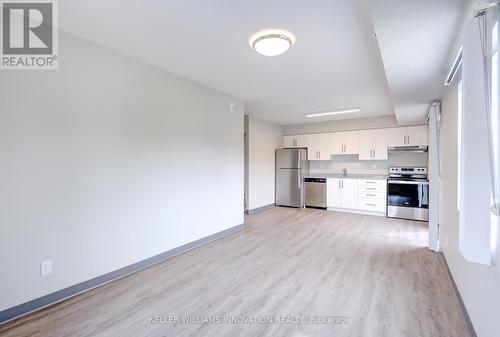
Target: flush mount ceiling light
column 328, row 113
column 272, row 42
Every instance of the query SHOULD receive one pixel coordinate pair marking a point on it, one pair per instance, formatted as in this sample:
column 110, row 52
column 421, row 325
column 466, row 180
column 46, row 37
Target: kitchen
column 225, row 160
column 380, row 172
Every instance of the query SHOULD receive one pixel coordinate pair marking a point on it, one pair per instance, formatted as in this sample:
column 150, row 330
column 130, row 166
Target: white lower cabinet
column 372, row 195
column 357, row 194
column 341, row 193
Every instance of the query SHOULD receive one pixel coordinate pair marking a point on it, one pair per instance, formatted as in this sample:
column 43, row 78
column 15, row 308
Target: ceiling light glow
column 272, row 42
column 329, row 113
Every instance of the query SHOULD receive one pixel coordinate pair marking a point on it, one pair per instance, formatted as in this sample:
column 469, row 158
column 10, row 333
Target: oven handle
column 408, row 182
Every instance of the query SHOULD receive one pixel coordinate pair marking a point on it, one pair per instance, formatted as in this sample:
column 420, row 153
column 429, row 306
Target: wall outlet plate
column 45, row 267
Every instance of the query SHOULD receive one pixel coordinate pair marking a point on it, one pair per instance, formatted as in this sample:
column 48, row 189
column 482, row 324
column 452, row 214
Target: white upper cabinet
column 396, row 137
column 320, row 147
column 345, row 142
column 369, row 144
column 373, row 144
column 296, row 141
column 417, row 135
column 408, row 136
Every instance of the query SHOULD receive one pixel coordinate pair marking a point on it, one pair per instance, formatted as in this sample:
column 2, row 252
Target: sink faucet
column 345, row 171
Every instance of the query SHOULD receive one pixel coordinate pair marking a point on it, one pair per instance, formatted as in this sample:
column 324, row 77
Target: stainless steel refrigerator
column 291, row 167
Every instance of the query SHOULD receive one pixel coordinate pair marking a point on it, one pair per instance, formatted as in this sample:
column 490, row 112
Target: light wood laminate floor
column 375, row 272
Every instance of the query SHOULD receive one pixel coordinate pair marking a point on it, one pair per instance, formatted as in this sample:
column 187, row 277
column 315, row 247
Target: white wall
column 479, row 285
column 108, row 161
column 263, row 139
column 341, row 125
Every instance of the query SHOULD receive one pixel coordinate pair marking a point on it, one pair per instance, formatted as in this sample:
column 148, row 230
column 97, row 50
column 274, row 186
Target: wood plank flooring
column 363, row 276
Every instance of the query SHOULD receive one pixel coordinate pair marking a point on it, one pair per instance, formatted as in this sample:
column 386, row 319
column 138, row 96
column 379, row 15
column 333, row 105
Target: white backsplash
column 355, row 166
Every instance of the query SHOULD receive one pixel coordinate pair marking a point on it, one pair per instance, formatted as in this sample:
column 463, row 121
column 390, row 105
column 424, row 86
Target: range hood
column 417, row 149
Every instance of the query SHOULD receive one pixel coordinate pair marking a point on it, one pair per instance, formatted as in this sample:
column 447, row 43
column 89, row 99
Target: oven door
column 408, row 199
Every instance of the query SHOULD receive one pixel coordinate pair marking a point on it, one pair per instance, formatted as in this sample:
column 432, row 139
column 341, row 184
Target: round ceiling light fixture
column 272, row 42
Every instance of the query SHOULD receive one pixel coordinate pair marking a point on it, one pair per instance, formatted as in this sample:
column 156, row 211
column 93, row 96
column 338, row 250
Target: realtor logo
column 29, row 34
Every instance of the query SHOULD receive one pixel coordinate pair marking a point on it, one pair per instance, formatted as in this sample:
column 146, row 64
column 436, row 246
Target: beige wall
column 479, row 285
column 108, row 161
column 263, row 139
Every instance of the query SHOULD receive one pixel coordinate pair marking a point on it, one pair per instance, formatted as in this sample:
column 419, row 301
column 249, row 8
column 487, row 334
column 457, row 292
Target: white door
column 380, row 151
column 365, row 144
column 351, row 142
column 338, row 141
column 287, row 141
column 291, row 141
column 417, row 135
column 349, row 193
column 325, row 143
column 396, row 136
column 319, row 148
column 333, row 193
column 314, row 150
column 303, row 140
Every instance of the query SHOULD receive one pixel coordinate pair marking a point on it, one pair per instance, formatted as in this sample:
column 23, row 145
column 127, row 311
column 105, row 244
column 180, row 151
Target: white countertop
column 348, row 176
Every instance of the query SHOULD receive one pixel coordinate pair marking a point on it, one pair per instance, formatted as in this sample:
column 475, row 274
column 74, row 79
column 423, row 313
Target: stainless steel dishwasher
column 315, row 192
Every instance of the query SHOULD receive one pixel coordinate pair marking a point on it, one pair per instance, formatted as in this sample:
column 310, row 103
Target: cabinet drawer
column 370, row 194
column 368, row 182
column 372, row 186
column 371, row 204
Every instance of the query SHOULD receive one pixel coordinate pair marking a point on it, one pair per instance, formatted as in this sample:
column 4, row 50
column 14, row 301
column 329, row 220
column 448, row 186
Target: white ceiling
column 335, row 63
column 416, row 39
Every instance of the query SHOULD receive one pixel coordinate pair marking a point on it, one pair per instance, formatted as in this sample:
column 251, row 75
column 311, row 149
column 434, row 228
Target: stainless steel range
column 408, row 193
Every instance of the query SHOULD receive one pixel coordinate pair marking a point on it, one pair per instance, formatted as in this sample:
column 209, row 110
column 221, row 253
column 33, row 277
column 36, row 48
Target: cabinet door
column 325, row 143
column 319, row 148
column 313, row 151
column 338, row 141
column 380, row 151
column 304, row 141
column 349, row 193
column 396, row 137
column 417, row 135
column 291, row 141
column 365, row 145
column 333, row 194
column 351, row 142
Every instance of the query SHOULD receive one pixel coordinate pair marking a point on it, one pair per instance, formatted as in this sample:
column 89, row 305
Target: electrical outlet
column 232, row 107
column 45, row 267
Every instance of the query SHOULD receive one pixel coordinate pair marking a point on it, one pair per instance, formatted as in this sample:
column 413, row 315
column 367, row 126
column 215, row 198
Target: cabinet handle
column 342, row 183
column 294, row 142
column 371, row 188
column 371, row 182
column 371, row 205
column 370, row 195
column 408, row 137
